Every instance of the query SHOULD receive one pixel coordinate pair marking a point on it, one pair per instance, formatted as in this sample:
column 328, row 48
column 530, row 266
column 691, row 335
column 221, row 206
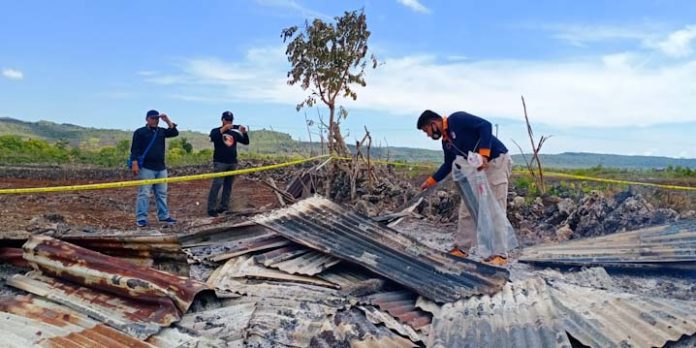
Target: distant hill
column 272, row 142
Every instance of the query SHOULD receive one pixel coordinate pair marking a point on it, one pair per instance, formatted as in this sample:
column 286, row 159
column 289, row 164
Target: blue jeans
column 142, row 202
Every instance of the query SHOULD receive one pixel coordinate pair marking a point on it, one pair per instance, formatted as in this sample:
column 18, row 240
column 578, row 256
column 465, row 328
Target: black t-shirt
column 226, row 144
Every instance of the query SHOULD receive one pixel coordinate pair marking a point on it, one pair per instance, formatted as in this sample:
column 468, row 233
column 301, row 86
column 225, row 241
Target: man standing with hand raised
column 225, row 139
column 147, row 156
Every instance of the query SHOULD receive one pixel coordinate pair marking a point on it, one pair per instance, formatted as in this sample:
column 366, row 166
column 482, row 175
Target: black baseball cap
column 152, row 114
column 227, row 116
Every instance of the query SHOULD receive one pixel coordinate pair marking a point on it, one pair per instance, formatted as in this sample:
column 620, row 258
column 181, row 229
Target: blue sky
column 600, row 76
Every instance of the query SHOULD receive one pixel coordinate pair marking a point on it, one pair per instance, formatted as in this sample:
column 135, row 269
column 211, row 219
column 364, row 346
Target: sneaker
column 168, row 220
column 459, row 252
column 212, row 213
column 141, row 223
column 497, row 261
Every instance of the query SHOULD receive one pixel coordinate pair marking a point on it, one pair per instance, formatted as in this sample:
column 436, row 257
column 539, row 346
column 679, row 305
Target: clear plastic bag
column 494, row 233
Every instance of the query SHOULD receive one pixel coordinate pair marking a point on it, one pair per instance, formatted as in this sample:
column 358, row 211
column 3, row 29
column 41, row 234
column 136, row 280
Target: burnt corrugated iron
column 26, row 321
column 402, row 305
column 243, row 267
column 521, row 315
column 376, row 316
column 325, row 226
column 350, row 328
column 149, row 249
column 668, row 246
column 92, row 269
column 227, row 324
column 230, row 240
column 297, row 260
column 287, row 314
column 532, row 313
column 137, row 318
column 600, row 318
column 13, row 256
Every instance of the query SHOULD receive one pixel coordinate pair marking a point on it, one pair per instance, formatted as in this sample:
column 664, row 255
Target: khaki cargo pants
column 498, row 174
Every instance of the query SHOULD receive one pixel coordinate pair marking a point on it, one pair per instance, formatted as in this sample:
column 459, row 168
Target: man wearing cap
column 225, row 139
column 462, row 133
column 148, row 147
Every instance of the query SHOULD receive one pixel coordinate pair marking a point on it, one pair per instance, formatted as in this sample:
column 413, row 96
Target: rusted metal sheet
column 521, row 315
column 327, row 227
column 149, row 249
column 26, row 321
column 92, row 269
column 600, row 318
column 668, row 246
column 244, row 267
column 137, row 318
column 377, row 316
column 297, row 260
column 13, row 256
column 402, row 305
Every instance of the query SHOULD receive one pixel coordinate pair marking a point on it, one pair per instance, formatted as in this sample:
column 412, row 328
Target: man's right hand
column 225, row 128
column 428, row 183
column 135, row 168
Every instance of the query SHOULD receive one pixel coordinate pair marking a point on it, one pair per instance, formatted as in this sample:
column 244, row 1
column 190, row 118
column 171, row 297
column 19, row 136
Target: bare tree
column 537, row 176
column 328, row 58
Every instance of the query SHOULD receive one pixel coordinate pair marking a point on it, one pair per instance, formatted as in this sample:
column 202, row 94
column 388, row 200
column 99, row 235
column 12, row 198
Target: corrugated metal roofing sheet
column 377, row 316
column 137, row 318
column 531, row 313
column 402, row 305
column 227, row 324
column 325, row 226
column 27, row 321
column 160, row 251
column 242, row 267
column 672, row 246
column 601, row 318
column 521, row 315
column 82, row 266
column 350, row 328
column 287, row 314
column 297, row 260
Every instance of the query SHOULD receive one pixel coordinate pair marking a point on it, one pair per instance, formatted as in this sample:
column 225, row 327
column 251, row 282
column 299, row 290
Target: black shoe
column 221, row 210
column 212, row 213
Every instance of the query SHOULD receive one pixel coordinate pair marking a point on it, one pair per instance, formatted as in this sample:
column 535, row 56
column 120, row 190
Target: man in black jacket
column 148, row 147
column 225, row 139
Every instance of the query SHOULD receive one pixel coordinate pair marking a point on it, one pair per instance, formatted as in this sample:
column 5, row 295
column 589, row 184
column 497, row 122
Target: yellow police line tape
column 611, row 181
column 120, row 184
column 130, row 183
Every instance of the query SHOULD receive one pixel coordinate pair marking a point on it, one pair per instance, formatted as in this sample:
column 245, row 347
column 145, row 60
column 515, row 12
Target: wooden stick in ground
column 282, row 195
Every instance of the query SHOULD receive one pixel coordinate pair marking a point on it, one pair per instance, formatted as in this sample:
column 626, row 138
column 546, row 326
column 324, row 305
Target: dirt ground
column 115, row 208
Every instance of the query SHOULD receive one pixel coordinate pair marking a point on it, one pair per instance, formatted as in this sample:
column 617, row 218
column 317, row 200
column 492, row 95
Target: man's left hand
column 242, row 129
column 484, row 163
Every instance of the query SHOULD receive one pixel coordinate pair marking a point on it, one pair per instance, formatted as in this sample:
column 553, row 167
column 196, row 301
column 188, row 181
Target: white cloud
column 147, row 73
column 293, row 6
column 581, row 35
column 414, row 5
column 12, row 74
column 678, row 43
column 623, row 89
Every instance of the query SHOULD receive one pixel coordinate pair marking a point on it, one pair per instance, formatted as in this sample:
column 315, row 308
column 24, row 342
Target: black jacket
column 154, row 159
